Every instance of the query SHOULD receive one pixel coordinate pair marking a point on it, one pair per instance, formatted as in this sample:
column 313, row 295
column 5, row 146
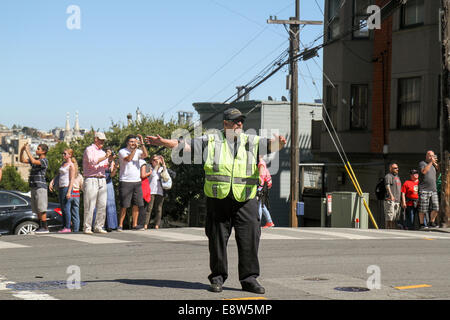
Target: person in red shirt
column 410, row 198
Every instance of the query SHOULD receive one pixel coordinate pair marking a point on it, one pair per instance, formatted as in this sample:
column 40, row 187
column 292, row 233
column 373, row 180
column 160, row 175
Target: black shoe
column 253, row 286
column 215, row 287
column 433, row 225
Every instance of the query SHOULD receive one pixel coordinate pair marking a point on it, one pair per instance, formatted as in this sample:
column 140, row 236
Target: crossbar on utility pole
column 294, row 24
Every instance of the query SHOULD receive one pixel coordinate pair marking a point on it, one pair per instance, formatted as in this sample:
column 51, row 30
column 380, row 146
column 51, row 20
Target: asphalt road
column 172, row 264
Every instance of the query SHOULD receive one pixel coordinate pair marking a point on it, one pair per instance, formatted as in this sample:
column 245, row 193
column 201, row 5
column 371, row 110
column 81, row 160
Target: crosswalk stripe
column 334, row 234
column 409, row 234
column 86, row 238
column 273, row 236
column 170, row 236
column 9, row 245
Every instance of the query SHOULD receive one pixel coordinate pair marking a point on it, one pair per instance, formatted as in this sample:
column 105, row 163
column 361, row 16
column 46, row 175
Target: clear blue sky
column 159, row 55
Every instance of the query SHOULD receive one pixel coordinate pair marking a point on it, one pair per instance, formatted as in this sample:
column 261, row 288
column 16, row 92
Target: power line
column 247, row 71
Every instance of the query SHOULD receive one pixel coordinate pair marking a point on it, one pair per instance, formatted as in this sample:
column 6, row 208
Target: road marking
column 24, row 295
column 413, row 287
column 248, row 298
column 334, row 234
column 410, row 234
column 86, row 238
column 9, row 245
column 273, row 236
column 169, row 236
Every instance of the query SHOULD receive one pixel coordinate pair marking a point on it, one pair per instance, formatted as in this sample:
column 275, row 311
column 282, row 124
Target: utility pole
column 445, row 115
column 294, row 36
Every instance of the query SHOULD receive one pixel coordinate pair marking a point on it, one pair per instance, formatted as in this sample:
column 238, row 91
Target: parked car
column 16, row 216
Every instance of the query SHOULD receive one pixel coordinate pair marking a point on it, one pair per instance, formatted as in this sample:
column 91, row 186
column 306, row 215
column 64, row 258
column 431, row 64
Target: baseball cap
column 232, row 114
column 100, row 135
column 413, row 171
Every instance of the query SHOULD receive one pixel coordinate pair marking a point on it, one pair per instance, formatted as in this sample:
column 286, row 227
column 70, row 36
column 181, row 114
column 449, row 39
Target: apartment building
column 385, row 93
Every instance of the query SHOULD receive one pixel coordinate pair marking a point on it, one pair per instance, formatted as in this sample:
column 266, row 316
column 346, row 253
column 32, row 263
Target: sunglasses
column 236, row 121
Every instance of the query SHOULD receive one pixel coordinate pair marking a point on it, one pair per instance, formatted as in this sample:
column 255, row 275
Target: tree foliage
column 12, row 180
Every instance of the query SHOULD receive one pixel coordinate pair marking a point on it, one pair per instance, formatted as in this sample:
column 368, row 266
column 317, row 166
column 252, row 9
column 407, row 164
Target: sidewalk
column 447, row 230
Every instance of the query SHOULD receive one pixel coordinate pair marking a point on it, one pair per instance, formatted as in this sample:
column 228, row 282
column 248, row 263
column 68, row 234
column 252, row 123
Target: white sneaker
column 100, row 231
column 88, row 231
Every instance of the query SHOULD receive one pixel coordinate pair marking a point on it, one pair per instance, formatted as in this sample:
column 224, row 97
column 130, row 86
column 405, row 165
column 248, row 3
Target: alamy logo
column 374, row 19
column 74, row 20
column 74, row 279
column 374, row 281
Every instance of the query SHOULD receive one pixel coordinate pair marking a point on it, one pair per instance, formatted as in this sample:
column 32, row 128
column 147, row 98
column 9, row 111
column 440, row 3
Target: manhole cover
column 316, row 279
column 47, row 285
column 352, row 289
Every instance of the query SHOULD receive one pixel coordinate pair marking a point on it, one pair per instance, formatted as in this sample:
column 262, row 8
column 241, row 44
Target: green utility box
column 345, row 208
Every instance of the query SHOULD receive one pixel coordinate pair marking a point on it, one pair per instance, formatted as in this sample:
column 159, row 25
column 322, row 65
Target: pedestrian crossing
column 186, row 235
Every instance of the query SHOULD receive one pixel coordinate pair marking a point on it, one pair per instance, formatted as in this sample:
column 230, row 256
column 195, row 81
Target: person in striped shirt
column 37, row 182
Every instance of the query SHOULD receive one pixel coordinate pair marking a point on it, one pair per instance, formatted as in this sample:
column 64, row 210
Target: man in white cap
column 95, row 162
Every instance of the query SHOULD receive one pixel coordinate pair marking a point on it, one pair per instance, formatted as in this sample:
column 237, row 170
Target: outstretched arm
column 161, row 142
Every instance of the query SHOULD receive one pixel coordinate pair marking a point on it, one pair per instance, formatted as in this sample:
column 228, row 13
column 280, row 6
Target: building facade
column 384, row 97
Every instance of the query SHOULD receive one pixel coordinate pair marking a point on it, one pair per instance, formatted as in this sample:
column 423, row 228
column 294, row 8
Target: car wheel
column 26, row 227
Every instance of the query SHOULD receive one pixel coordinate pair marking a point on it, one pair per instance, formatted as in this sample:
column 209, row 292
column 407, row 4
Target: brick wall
column 382, row 53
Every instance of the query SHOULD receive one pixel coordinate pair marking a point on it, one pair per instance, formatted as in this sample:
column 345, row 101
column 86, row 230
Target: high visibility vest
column 224, row 172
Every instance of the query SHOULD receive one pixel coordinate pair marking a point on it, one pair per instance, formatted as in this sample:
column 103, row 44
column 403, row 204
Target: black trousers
column 222, row 216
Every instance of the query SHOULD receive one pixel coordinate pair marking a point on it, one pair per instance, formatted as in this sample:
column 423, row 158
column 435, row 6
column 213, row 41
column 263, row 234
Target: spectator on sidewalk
column 157, row 191
column 37, row 182
column 410, row 198
column 393, row 195
column 428, row 170
column 265, row 183
column 66, row 176
column 111, row 210
column 144, row 216
column 95, row 163
column 78, row 182
column 130, row 185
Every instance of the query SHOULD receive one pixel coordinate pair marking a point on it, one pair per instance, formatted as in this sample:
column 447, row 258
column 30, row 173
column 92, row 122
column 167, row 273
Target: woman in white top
column 65, row 181
column 157, row 192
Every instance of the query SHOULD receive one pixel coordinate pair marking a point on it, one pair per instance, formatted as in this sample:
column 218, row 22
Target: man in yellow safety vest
column 231, row 179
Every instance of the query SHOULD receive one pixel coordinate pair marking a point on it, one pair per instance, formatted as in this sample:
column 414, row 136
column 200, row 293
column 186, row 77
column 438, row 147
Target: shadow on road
column 177, row 284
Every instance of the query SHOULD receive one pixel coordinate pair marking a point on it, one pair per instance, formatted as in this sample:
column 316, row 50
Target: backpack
column 380, row 189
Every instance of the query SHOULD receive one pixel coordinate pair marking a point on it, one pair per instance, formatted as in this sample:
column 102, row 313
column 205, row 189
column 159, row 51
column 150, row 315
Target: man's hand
column 141, row 140
column 154, row 141
column 279, row 141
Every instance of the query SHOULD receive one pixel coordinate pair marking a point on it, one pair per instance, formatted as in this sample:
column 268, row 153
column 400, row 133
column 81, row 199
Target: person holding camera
column 95, row 163
column 158, row 177
column 427, row 189
column 130, row 186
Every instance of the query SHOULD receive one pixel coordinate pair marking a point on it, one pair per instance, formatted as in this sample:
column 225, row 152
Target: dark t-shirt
column 428, row 180
column 37, row 174
column 394, row 184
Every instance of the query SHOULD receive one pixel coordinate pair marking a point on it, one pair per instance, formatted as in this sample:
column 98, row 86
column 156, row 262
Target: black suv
column 16, row 216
